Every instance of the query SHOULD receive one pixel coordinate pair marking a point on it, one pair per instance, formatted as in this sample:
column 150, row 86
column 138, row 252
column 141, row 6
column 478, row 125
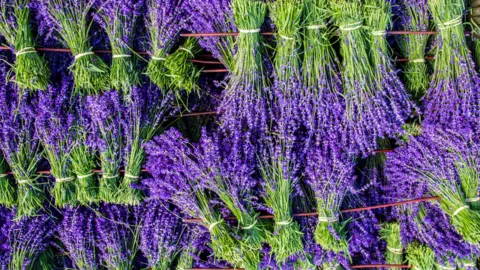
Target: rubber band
column 379, row 33
column 158, row 58
column 455, row 22
column 247, row 31
column 121, row 56
column 419, row 60
column 3, row 175
column 131, row 176
column 285, row 222
column 328, row 219
column 476, row 199
column 66, row 179
column 287, row 38
column 110, row 176
column 352, row 26
column 398, row 251
column 211, row 226
column 80, row 55
column 250, row 226
column 25, row 51
column 23, row 181
column 460, row 209
column 84, row 176
column 187, row 50
column 317, row 26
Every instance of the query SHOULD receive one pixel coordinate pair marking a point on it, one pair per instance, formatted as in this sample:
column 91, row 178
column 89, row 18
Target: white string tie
column 78, row 56
column 395, row 250
column 249, row 31
column 419, row 60
column 460, row 210
column 158, row 58
column 66, row 179
column 187, row 50
column 84, row 176
column 379, row 33
column 352, row 26
column 110, row 176
column 214, row 224
column 476, row 199
column 317, row 26
column 455, row 22
column 328, row 219
column 3, row 175
column 250, row 226
column 25, row 51
column 121, row 56
column 285, row 222
column 131, row 176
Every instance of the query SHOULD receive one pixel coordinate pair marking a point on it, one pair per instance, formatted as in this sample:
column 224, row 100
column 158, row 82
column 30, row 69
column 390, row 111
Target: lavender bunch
column 52, row 124
column 106, row 112
column 6, row 221
column 177, row 180
column 164, row 20
column 160, row 235
column 119, row 20
column 77, row 234
column 143, row 117
column 70, row 19
column 244, row 101
column 329, row 173
column 117, row 240
column 30, row 70
column 390, row 232
column 20, row 146
column 213, row 17
column 420, row 256
column 8, row 192
column 415, row 17
column 453, row 94
column 28, row 238
column 374, row 108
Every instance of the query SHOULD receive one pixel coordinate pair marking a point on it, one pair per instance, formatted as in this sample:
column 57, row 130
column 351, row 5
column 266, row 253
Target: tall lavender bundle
column 119, row 20
column 143, row 117
column 329, row 173
column 453, row 94
column 390, row 232
column 117, row 240
column 164, row 20
column 8, row 192
column 376, row 103
column 160, row 235
column 244, row 101
column 30, row 71
column 70, row 19
column 28, row 238
column 213, row 17
column 77, row 234
column 430, row 160
column 52, row 124
column 20, row 146
column 106, row 112
column 415, row 17
column 177, row 180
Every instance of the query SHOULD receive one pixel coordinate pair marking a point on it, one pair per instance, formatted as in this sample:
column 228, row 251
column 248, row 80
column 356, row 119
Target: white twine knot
column 84, row 176
column 158, row 58
column 121, row 56
column 476, row 199
column 328, row 219
column 3, row 175
column 460, row 209
column 80, row 55
column 23, row 181
column 379, row 33
column 25, row 51
column 131, row 176
column 187, row 50
column 249, row 31
column 419, row 60
column 317, row 26
column 110, row 176
column 395, row 250
column 66, row 179
column 352, row 26
column 455, row 22
column 213, row 225
column 285, row 222
column 250, row 226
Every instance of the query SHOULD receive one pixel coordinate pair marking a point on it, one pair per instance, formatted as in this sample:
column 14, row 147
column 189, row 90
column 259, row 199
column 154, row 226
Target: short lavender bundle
column 20, row 146
column 70, row 19
column 161, row 233
column 374, row 108
column 52, row 124
column 213, row 17
column 119, row 20
column 431, row 160
column 106, row 112
column 28, row 238
column 390, row 232
column 164, row 20
column 8, row 192
column 329, row 173
column 116, row 239
column 453, row 94
column 177, row 180
column 415, row 16
column 77, row 234
column 143, row 117
column 420, row 256
column 29, row 71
